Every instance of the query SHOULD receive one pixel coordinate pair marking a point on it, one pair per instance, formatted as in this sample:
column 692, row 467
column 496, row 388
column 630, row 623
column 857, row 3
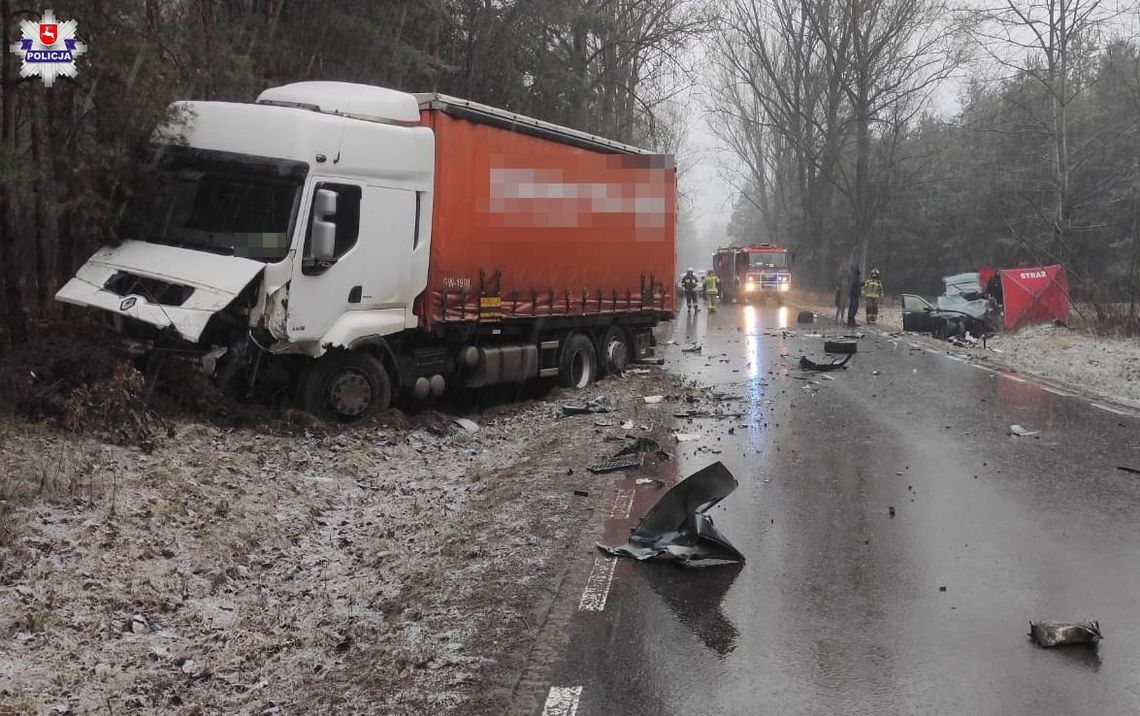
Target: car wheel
column 346, row 386
column 579, row 364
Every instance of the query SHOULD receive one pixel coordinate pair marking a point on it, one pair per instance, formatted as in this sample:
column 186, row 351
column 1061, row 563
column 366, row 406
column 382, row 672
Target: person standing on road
column 853, row 295
column 873, row 293
column 689, row 285
column 712, row 290
column 840, row 300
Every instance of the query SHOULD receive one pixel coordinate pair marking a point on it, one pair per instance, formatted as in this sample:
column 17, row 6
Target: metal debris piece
column 1050, row 634
column 686, row 437
column 627, row 425
column 834, row 365
column 652, row 399
column 615, row 464
column 1022, row 432
column 600, row 404
column 637, row 445
column 695, row 348
column 469, row 425
column 706, row 414
column 658, row 484
column 1125, row 468
column 679, row 528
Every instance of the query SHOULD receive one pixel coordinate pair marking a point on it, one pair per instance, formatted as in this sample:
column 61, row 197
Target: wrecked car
column 964, row 307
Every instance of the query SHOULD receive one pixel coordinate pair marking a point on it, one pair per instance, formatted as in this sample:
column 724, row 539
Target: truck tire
column 579, row 363
column 346, row 386
column 615, row 351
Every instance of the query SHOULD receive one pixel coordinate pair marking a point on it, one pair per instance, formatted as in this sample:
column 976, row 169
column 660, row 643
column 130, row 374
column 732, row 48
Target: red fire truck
column 748, row 273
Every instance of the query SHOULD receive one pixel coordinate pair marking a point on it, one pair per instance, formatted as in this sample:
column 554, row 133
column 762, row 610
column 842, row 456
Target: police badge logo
column 48, row 48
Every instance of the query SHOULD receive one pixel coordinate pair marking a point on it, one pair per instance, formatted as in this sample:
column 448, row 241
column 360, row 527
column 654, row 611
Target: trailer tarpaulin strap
column 1035, row 295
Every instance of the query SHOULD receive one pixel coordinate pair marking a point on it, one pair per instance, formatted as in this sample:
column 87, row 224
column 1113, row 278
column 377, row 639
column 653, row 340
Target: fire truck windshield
column 761, row 259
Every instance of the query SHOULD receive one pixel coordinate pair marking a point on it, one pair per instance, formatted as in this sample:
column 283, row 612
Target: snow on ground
column 380, row 568
column 1106, row 367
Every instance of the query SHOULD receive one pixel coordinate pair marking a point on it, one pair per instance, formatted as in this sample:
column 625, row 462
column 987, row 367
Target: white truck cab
column 279, row 190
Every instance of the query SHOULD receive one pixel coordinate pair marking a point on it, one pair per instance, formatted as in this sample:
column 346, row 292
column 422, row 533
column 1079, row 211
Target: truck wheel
column 346, row 386
column 615, row 351
column 579, row 362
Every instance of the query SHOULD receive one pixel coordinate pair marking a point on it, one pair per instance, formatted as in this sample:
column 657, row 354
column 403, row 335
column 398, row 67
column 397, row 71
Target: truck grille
column 152, row 289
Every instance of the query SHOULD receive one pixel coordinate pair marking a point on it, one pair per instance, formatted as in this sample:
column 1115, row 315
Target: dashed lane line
column 623, row 504
column 562, row 701
column 597, row 589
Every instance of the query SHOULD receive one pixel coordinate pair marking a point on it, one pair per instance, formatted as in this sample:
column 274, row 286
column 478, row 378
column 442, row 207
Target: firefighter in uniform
column 712, row 289
column 873, row 293
column 689, row 284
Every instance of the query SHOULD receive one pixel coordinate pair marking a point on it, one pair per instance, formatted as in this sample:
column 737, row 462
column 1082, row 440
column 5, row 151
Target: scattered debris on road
column 686, row 437
column 600, row 404
column 690, row 414
column 653, row 399
column 695, row 348
column 805, row 317
column 615, row 464
column 679, row 528
column 1022, row 432
column 1125, row 468
column 650, row 481
column 1050, row 634
column 807, row 364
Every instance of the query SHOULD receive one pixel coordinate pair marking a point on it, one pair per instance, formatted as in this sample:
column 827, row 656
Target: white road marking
column 562, row 701
column 623, row 503
column 1054, row 391
column 598, row 585
column 1111, row 410
column 1015, row 378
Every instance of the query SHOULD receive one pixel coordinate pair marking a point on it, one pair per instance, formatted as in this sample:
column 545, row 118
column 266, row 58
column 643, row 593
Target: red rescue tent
column 1035, row 295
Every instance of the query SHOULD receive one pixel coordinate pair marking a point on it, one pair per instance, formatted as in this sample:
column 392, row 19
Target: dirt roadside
column 389, row 568
column 1104, row 367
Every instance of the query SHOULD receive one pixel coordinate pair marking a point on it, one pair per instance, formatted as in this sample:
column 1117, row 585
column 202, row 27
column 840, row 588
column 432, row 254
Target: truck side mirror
column 323, row 239
column 323, row 234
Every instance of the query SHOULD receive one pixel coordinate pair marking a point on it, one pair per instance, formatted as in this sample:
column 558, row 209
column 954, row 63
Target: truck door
column 369, row 266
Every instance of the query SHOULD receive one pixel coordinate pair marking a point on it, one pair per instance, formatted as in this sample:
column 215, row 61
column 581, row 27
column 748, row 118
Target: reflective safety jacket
column 712, row 283
column 872, row 288
column 689, row 282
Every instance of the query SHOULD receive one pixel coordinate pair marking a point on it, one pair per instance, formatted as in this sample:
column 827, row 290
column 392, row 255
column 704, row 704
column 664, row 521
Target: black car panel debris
column 807, row 364
column 679, row 527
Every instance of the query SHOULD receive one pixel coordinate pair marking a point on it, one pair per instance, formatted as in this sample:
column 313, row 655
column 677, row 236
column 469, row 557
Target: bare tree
column 824, row 76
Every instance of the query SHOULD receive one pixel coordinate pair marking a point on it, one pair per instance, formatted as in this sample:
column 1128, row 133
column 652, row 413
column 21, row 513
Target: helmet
column 874, row 273
column 690, row 269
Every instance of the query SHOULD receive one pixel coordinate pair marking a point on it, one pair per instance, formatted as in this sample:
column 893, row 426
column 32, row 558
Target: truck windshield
column 758, row 259
column 217, row 201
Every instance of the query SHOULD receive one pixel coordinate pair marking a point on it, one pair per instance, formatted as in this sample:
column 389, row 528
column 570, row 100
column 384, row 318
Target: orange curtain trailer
column 536, row 220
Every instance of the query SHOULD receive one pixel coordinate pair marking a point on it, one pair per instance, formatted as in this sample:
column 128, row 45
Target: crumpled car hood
column 216, row 280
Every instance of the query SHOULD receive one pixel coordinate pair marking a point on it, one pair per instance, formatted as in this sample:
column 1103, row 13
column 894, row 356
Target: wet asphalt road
column 840, row 607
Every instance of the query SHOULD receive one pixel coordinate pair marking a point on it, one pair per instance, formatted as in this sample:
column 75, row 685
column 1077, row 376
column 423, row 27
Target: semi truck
column 750, row 272
column 348, row 245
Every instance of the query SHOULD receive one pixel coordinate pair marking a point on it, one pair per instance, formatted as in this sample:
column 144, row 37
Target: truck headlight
column 749, row 287
column 785, row 286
